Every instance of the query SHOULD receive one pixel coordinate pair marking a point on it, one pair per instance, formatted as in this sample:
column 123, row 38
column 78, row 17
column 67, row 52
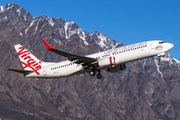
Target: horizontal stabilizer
column 25, row 72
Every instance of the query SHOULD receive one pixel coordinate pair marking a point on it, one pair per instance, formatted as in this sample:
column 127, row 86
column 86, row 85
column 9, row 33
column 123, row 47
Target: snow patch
column 66, row 27
column 57, row 41
column 148, row 102
column 2, row 8
column 51, row 22
column 19, row 11
column 69, row 32
column 29, row 26
column 156, row 62
column 169, row 59
column 82, row 35
column 102, row 38
column 60, row 31
column 20, row 33
column 176, row 60
column 103, row 41
column 167, row 108
column 116, row 44
column 5, row 18
column 36, row 27
column 9, row 6
column 24, row 17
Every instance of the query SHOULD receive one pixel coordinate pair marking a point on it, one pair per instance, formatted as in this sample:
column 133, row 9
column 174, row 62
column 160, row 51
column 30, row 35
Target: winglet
column 47, row 45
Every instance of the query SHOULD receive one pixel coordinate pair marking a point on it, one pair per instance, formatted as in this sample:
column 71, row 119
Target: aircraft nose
column 170, row 45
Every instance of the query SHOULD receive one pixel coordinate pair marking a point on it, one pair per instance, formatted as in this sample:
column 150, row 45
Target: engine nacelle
column 117, row 68
column 106, row 62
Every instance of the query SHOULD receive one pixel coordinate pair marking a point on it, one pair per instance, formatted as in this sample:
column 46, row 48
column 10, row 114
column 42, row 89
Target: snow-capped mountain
column 172, row 61
column 147, row 89
column 24, row 22
column 103, row 41
column 69, row 30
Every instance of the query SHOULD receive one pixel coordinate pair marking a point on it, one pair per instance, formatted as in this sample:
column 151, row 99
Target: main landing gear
column 99, row 76
column 92, row 73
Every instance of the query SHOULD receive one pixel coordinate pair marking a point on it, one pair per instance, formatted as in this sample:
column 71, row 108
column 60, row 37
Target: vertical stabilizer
column 28, row 60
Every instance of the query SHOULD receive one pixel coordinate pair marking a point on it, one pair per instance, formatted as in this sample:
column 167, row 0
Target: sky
column 127, row 21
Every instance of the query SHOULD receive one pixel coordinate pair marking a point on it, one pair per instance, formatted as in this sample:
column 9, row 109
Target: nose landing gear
column 159, row 56
column 158, row 59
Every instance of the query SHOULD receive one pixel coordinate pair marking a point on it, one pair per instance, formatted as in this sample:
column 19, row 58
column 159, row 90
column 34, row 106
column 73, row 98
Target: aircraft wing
column 72, row 57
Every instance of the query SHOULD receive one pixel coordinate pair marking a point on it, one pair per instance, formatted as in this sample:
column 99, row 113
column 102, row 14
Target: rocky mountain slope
column 146, row 90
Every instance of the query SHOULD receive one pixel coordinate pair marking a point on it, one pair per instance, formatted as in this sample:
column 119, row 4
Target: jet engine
column 106, row 62
column 117, row 68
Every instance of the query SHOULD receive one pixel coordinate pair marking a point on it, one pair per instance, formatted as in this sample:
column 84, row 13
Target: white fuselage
column 122, row 55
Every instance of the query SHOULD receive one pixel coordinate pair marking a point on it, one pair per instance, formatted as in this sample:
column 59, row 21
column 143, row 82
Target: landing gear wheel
column 158, row 59
column 92, row 73
column 99, row 76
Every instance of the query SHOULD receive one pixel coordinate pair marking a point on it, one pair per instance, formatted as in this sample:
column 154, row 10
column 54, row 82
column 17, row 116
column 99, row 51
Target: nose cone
column 170, row 45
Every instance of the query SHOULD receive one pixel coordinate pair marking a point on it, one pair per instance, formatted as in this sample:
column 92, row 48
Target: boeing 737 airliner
column 110, row 60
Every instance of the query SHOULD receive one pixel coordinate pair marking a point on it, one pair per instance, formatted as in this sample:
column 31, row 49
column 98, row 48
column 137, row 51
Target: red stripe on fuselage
column 110, row 59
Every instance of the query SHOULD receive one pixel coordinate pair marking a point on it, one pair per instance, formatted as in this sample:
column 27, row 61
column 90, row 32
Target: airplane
column 112, row 60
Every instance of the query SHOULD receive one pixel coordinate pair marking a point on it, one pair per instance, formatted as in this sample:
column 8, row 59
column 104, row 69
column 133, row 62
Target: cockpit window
column 161, row 42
